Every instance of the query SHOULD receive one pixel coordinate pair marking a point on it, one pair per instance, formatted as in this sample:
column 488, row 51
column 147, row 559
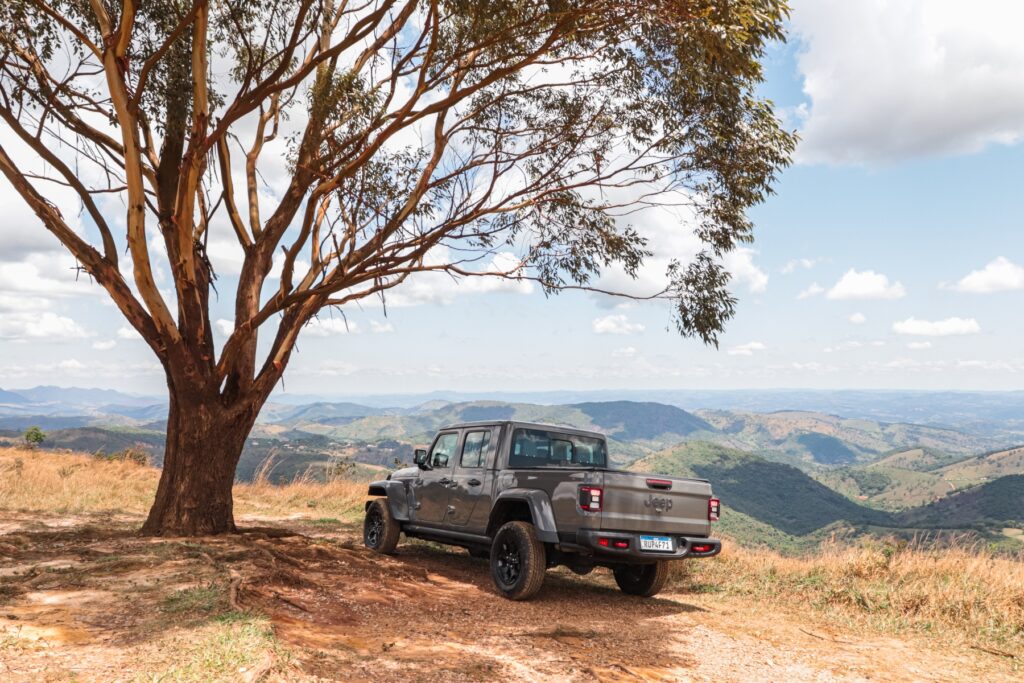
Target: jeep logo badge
column 659, row 504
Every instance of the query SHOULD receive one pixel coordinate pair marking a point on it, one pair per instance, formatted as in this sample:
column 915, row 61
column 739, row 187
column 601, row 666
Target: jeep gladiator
column 532, row 496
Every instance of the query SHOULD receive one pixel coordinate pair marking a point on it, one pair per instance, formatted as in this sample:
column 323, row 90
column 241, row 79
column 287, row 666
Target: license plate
column 658, row 544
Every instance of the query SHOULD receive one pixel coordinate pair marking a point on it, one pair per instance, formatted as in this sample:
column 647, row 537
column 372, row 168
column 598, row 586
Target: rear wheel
column 518, row 561
column 380, row 530
column 645, row 580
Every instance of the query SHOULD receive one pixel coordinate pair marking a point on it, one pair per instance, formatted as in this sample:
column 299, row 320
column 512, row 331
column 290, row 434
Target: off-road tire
column 645, row 580
column 380, row 529
column 518, row 561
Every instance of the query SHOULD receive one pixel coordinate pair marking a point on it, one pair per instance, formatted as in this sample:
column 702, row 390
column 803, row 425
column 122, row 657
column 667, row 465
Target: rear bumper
column 684, row 546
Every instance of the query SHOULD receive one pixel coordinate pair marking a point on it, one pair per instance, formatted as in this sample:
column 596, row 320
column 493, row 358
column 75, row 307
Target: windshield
column 538, row 448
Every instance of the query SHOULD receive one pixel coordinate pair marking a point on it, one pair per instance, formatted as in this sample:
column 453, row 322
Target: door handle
column 444, row 482
column 474, row 482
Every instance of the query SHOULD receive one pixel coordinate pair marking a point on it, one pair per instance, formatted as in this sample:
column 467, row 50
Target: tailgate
column 655, row 503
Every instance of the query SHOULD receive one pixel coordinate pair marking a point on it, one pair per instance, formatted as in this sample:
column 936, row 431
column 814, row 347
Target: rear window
column 539, row 448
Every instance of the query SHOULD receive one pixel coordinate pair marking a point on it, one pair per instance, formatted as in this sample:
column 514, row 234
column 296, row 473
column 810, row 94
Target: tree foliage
column 34, row 436
column 348, row 146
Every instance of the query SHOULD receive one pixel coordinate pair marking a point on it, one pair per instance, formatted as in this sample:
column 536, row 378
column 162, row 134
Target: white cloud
column 442, row 288
column 919, row 345
column 858, row 319
column 127, row 332
column 896, row 79
column 814, row 290
column 669, row 234
column 741, row 264
column 792, row 265
column 21, row 231
column 1001, row 275
column 616, row 324
column 224, row 326
column 227, row 256
column 61, row 371
column 104, row 345
column 45, row 275
column 45, row 326
column 381, row 328
column 938, row 328
column 18, row 302
column 330, row 327
column 747, row 349
column 865, row 284
column 624, row 352
column 843, row 346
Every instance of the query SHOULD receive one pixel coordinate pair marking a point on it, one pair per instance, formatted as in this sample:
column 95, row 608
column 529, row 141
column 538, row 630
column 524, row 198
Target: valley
column 789, row 479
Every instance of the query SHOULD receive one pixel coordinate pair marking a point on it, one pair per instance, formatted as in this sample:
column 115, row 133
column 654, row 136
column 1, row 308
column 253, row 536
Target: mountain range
column 787, row 477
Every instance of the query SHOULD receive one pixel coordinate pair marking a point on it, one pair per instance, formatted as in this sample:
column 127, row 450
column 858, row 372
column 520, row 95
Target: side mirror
column 419, row 457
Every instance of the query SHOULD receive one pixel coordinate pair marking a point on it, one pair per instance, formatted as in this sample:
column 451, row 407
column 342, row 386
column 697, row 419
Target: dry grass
column 70, row 483
column 966, row 593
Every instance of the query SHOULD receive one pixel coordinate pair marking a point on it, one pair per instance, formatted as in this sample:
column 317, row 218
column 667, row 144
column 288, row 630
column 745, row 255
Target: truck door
column 471, row 479
column 431, row 488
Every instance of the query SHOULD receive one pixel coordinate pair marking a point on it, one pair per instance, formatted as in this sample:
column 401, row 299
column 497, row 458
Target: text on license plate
column 661, row 544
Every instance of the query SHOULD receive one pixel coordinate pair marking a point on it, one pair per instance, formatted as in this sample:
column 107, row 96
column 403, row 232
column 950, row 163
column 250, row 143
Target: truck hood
column 406, row 473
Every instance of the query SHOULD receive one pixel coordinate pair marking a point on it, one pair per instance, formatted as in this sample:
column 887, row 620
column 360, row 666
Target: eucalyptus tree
column 412, row 136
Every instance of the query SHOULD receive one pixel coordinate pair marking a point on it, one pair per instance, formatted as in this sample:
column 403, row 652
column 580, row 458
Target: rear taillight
column 714, row 509
column 700, row 548
column 591, row 498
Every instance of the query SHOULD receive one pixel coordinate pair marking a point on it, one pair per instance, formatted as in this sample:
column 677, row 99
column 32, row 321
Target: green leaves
column 545, row 127
column 702, row 302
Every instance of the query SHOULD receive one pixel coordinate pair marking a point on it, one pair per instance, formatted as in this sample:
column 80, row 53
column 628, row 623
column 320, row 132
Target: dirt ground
column 85, row 599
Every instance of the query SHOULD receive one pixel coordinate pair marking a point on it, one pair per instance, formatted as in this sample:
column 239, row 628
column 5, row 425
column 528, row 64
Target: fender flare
column 394, row 491
column 540, row 509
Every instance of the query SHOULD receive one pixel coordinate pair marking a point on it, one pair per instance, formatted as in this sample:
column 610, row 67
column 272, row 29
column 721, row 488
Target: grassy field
column 963, row 596
column 69, row 484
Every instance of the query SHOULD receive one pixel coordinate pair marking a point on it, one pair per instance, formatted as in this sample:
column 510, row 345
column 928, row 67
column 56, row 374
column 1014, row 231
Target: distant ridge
column 11, row 397
column 642, row 420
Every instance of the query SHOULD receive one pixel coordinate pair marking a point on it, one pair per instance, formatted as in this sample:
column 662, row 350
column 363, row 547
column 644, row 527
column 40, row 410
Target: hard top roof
column 562, row 429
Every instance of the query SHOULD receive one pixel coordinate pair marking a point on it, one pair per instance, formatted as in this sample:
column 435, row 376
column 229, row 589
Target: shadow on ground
column 103, row 600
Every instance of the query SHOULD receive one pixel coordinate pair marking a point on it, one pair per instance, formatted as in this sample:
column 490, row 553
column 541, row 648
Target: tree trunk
column 204, row 443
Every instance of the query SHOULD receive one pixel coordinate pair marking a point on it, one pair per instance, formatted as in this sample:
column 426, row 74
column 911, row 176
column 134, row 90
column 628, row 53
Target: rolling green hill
column 806, row 438
column 813, row 475
column 108, row 440
column 633, row 429
column 773, row 493
column 995, row 504
column 629, row 420
column 915, row 477
column 985, row 467
column 884, row 487
column 916, row 459
column 766, row 502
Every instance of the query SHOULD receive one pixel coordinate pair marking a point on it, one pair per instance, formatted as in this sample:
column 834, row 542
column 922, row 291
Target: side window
column 444, row 449
column 474, row 449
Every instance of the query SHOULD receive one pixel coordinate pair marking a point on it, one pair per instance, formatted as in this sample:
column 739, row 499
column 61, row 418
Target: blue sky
column 892, row 255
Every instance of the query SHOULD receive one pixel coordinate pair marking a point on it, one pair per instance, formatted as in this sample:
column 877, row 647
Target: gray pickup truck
column 532, row 496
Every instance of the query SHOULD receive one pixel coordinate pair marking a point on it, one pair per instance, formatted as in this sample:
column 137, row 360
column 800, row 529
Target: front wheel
column 380, row 530
column 518, row 561
column 645, row 580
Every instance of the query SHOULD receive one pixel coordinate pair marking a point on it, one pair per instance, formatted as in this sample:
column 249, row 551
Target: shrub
column 34, row 436
column 136, row 454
